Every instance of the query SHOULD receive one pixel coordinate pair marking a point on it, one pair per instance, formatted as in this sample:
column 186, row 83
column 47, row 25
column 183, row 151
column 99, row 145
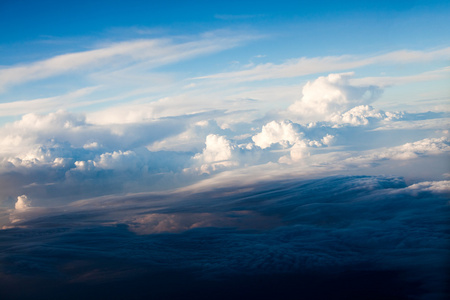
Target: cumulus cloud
column 216, row 154
column 117, row 160
column 22, row 203
column 67, row 131
column 328, row 139
column 332, row 94
column 274, row 132
column 288, row 135
column 217, row 149
column 362, row 115
column 53, row 155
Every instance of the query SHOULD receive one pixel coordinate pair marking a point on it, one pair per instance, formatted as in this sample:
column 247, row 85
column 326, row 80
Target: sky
column 130, row 131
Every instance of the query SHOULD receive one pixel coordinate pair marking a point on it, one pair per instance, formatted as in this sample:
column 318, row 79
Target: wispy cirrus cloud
column 305, row 66
column 45, row 104
column 149, row 52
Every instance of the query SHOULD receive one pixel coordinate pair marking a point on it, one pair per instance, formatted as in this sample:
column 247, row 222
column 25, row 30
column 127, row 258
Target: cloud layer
column 299, row 228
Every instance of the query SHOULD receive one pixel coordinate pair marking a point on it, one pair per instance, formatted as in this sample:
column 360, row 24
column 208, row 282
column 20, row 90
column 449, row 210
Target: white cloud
column 385, row 81
column 217, row 149
column 290, row 139
column 296, row 153
column 421, row 148
column 427, row 124
column 432, row 186
column 92, row 145
column 330, row 95
column 362, row 114
column 328, row 139
column 145, row 110
column 291, row 68
column 415, row 149
column 357, row 116
column 216, row 154
column 68, row 131
column 22, row 203
column 117, row 160
column 68, row 100
column 52, row 121
column 304, row 66
column 191, row 139
column 151, row 53
column 41, row 137
column 84, row 165
column 282, row 133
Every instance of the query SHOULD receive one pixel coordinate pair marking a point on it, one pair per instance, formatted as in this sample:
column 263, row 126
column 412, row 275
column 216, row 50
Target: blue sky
column 311, row 26
column 148, row 121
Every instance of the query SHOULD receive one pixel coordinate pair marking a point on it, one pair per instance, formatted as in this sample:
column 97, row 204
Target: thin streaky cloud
column 385, row 81
column 41, row 105
column 306, row 66
column 152, row 52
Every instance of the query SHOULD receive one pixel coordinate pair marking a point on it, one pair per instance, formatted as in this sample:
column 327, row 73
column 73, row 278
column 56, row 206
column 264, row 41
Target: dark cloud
column 343, row 236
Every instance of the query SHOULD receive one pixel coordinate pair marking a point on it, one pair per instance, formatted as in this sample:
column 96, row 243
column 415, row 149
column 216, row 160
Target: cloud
column 217, row 154
column 362, row 114
column 330, row 95
column 407, row 152
column 305, row 66
column 22, row 203
column 61, row 155
column 148, row 52
column 218, row 148
column 288, row 135
column 156, row 223
column 328, row 139
column 117, row 160
column 66, row 101
column 191, row 140
column 316, row 226
column 427, row 146
column 432, row 186
column 282, row 133
column 53, row 156
column 292, row 68
column 386, row 81
column 61, row 127
column 410, row 122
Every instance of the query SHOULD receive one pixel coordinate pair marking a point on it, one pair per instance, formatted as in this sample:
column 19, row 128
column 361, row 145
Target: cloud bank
column 278, row 228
